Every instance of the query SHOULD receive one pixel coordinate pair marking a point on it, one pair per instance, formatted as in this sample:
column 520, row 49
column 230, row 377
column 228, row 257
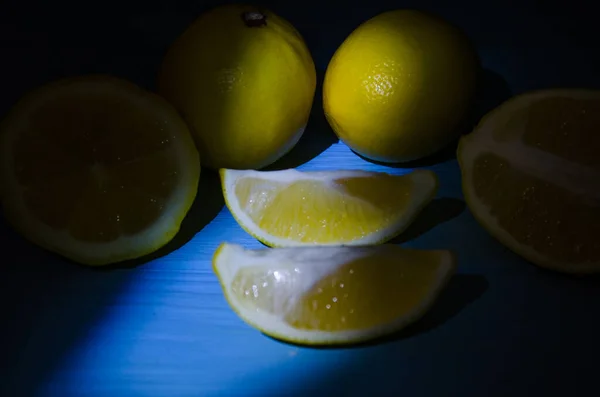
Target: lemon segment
column 530, row 177
column 293, row 208
column 331, row 295
column 96, row 169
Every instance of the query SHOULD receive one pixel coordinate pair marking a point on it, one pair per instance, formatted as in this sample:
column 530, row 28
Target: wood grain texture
column 162, row 328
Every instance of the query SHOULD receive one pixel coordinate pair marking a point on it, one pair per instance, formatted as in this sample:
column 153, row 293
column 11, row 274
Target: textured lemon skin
column 398, row 87
column 245, row 91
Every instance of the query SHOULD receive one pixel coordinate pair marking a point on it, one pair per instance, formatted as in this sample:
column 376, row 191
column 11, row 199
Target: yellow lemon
column 531, row 176
column 244, row 81
column 293, row 208
column 96, row 169
column 331, row 295
column 398, row 87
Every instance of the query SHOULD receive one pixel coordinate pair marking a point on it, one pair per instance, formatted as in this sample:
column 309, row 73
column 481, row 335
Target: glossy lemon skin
column 399, row 85
column 245, row 91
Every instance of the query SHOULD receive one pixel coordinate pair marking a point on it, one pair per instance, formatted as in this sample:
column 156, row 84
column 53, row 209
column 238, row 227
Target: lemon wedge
column 294, row 208
column 531, row 174
column 331, row 295
column 96, row 169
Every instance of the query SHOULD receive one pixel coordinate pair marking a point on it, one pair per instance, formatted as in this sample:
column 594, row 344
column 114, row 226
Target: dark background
column 518, row 330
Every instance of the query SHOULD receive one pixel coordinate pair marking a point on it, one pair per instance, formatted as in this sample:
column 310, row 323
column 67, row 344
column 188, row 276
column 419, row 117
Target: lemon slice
column 293, row 208
column 531, row 177
column 331, row 295
column 96, row 169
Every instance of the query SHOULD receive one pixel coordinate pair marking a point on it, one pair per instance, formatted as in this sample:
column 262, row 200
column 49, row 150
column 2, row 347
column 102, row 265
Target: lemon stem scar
column 254, row 19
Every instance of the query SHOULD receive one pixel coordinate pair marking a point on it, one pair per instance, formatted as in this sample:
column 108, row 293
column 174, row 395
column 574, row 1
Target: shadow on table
column 440, row 210
column 461, row 291
column 48, row 305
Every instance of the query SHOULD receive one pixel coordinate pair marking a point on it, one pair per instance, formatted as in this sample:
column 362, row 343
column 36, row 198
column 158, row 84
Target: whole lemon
column 244, row 81
column 399, row 85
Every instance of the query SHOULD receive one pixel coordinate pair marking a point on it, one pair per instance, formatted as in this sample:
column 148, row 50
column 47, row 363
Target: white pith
column 62, row 241
column 314, row 263
column 425, row 183
column 580, row 179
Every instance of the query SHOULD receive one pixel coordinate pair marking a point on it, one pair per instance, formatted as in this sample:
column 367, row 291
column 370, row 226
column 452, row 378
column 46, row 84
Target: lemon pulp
column 97, row 169
column 338, row 207
column 320, row 295
column 530, row 177
column 357, row 295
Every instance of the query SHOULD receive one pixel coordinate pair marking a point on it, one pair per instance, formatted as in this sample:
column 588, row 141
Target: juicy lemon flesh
column 246, row 92
column 538, row 214
column 314, row 212
column 96, row 166
column 566, row 127
column 364, row 293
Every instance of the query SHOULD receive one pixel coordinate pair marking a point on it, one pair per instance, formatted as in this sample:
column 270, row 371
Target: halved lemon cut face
column 331, row 295
column 96, row 169
column 293, row 208
column 531, row 177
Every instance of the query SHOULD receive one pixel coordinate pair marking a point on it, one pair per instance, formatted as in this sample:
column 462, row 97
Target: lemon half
column 531, row 177
column 294, row 208
column 331, row 295
column 96, row 169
